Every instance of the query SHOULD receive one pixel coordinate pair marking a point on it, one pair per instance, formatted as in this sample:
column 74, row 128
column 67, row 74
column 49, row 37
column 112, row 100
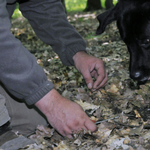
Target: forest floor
column 122, row 107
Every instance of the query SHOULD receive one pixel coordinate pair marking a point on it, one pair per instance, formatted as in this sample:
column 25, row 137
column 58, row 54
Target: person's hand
column 64, row 115
column 89, row 67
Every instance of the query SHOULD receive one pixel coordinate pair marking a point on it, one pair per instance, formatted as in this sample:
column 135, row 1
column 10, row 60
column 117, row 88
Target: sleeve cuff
column 40, row 93
column 70, row 52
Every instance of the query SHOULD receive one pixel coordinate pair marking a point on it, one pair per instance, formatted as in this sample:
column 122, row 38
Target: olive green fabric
column 22, row 118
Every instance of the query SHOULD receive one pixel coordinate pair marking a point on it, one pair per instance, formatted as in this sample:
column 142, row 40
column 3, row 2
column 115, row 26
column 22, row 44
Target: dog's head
column 133, row 22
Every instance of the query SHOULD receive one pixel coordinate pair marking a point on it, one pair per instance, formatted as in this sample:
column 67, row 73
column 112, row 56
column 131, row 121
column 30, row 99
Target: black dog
column 133, row 22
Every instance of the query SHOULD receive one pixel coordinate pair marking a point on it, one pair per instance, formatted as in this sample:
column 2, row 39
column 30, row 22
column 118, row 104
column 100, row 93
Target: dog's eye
column 145, row 43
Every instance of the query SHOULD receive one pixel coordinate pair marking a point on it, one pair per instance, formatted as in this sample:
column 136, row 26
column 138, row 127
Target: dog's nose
column 138, row 76
column 135, row 75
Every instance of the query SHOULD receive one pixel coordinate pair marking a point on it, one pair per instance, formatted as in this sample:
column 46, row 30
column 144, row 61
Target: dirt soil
column 121, row 110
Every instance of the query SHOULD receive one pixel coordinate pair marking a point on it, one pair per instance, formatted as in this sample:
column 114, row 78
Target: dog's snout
column 137, row 74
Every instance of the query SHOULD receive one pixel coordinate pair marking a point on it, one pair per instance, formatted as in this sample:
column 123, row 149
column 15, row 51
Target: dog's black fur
column 133, row 22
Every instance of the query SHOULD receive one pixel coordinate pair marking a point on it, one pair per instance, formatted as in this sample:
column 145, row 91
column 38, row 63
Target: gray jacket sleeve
column 48, row 19
column 19, row 72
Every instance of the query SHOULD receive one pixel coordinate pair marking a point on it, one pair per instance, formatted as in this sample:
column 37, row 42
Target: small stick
column 98, row 122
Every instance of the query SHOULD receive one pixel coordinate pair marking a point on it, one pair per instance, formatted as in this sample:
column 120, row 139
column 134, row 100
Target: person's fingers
column 101, row 84
column 75, row 130
column 79, row 129
column 90, row 125
column 104, row 82
column 69, row 136
column 88, row 79
column 101, row 76
column 94, row 74
column 87, row 124
column 67, row 132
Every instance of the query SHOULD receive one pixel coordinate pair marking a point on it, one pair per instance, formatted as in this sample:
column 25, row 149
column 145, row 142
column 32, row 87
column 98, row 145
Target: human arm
column 49, row 22
column 24, row 79
column 19, row 72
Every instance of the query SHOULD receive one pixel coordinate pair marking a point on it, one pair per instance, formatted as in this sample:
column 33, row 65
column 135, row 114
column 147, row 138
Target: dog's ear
column 105, row 19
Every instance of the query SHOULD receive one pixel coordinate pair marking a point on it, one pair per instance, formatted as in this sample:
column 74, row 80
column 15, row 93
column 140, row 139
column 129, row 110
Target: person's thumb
column 89, row 85
column 88, row 79
column 90, row 125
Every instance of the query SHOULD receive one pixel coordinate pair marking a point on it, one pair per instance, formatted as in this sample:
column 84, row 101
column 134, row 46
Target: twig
column 98, row 122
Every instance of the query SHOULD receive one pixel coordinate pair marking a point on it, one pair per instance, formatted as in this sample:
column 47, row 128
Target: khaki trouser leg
column 22, row 118
column 4, row 116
